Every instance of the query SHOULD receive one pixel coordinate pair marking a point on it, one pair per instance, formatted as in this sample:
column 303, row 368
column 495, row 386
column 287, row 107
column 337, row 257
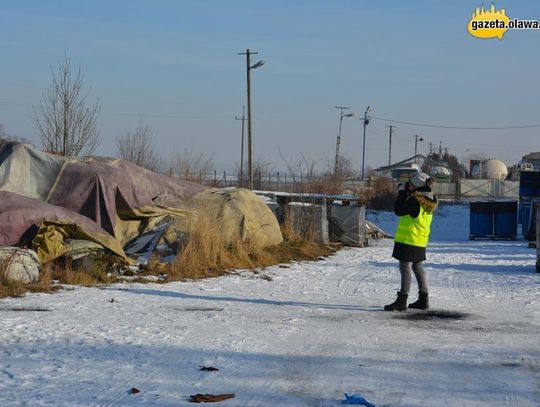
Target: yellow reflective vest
column 414, row 231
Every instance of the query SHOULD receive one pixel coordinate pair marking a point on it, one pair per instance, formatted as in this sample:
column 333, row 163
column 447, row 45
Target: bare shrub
column 189, row 168
column 137, row 146
column 381, row 195
column 307, row 180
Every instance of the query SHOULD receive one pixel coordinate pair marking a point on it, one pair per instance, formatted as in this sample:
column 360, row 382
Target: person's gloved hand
column 403, row 189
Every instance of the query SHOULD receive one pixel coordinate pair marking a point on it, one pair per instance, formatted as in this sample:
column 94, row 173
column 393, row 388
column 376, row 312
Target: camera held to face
column 406, row 187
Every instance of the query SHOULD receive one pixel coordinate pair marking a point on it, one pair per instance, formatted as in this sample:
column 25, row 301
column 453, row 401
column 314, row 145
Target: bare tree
column 138, row 147
column 189, row 168
column 66, row 125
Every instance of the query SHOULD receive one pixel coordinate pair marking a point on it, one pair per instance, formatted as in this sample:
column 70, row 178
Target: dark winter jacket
column 408, row 203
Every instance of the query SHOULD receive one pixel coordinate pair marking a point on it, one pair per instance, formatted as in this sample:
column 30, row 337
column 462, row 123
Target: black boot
column 400, row 304
column 422, row 302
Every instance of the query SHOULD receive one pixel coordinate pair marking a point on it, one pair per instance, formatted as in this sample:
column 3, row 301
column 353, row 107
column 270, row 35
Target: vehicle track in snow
column 351, row 281
column 477, row 288
column 120, row 391
column 146, row 369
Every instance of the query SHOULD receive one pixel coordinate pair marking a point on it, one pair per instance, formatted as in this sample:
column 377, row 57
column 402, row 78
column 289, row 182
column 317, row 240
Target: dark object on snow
column 433, row 315
column 24, row 309
column 356, row 399
column 422, row 302
column 400, row 304
column 210, row 398
column 209, row 369
column 134, row 390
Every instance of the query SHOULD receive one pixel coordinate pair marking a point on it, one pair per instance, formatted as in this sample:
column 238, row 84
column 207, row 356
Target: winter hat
column 420, row 179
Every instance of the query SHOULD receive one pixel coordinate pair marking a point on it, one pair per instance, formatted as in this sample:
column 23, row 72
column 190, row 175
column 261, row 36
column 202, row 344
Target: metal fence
column 487, row 188
column 469, row 189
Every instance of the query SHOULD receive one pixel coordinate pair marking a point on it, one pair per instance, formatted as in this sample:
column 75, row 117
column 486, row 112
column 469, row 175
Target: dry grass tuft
column 207, row 254
column 61, row 272
column 44, row 284
column 9, row 288
column 65, row 273
column 300, row 250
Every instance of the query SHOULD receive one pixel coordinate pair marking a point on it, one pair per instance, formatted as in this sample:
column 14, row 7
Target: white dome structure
column 440, row 171
column 490, row 169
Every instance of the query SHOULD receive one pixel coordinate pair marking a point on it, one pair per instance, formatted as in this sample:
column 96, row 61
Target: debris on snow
column 210, row 398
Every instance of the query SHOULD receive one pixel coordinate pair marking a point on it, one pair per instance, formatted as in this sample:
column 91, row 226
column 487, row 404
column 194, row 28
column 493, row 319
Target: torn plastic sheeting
column 356, row 399
column 144, row 246
column 53, row 240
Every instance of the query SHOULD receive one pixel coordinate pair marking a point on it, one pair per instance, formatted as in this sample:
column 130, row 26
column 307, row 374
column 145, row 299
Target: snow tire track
column 473, row 288
column 121, row 391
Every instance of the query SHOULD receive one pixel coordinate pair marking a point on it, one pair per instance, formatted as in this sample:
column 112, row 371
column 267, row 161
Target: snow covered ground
column 291, row 336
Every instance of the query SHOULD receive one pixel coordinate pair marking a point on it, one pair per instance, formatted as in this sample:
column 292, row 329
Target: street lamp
column 338, row 141
column 417, row 138
column 366, row 122
column 249, row 67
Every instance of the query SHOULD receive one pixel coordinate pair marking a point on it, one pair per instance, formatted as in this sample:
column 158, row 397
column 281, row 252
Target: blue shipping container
column 529, row 184
column 493, row 220
column 527, row 217
column 524, row 212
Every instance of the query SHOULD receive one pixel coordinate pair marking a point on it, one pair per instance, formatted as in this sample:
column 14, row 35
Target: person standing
column 415, row 206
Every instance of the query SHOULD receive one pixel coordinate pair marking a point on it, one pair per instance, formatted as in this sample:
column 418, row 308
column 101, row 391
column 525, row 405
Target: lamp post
column 366, row 122
column 417, row 138
column 338, row 141
column 249, row 67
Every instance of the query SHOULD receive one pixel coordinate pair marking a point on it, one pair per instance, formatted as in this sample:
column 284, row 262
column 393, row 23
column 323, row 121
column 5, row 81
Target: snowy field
column 296, row 336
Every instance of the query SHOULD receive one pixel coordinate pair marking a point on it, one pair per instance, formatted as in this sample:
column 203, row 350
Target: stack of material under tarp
column 50, row 202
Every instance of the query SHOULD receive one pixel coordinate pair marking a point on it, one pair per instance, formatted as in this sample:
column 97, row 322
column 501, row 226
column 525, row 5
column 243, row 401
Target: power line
column 150, row 115
column 455, row 127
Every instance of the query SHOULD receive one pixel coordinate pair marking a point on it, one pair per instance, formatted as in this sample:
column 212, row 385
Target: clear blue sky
column 174, row 65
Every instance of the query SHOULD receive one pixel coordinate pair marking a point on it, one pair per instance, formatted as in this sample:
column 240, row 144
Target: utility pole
column 243, row 118
column 440, row 150
column 338, row 141
column 390, row 145
column 366, row 122
column 249, row 67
